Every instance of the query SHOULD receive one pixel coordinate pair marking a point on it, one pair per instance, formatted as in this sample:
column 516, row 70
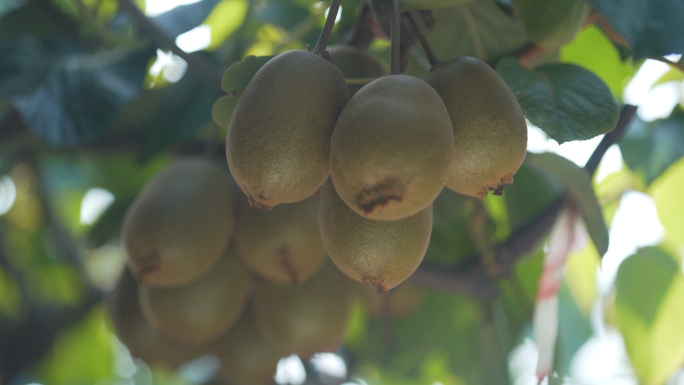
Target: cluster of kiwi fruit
column 379, row 158
column 327, row 170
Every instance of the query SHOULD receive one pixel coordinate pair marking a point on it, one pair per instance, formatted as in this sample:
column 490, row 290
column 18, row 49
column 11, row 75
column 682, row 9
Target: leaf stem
column 205, row 70
column 322, row 43
column 421, row 34
column 395, row 33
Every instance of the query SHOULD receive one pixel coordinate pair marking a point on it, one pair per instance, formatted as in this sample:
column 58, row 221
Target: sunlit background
column 601, row 360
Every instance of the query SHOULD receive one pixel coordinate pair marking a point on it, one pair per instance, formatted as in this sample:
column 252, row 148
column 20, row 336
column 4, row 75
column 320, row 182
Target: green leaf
column 604, row 60
column 184, row 17
column 574, row 329
column 533, row 190
column 408, row 5
column 65, row 96
column 450, row 241
column 667, row 193
column 566, row 101
column 578, row 183
column 480, row 29
column 650, row 148
column 673, row 75
column 552, row 23
column 108, row 226
column 239, row 74
column 184, row 110
column 223, row 110
column 649, row 310
column 652, row 27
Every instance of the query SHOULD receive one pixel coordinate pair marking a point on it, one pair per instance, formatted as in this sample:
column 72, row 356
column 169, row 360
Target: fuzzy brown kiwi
column 278, row 142
column 282, row 245
column 490, row 133
column 179, row 224
column 307, row 318
column 201, row 310
column 136, row 333
column 378, row 253
column 246, row 358
column 391, row 149
column 355, row 64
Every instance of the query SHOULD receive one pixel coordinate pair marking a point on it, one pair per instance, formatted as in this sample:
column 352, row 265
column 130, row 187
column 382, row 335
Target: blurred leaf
column 595, row 52
column 667, row 194
column 26, row 17
column 672, row 75
column 566, row 101
column 184, row 17
column 408, row 5
column 239, row 74
column 183, row 111
column 10, row 296
column 652, row 27
column 581, row 270
column 285, row 14
column 649, row 306
column 478, row 28
column 81, row 354
column 450, row 242
column 108, row 225
column 66, row 97
column 533, row 190
column 650, row 148
column 225, row 19
column 552, row 23
column 574, row 329
column 578, row 183
column 223, row 110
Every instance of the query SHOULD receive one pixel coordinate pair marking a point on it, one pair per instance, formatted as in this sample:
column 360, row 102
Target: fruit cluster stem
column 322, row 42
column 421, row 34
column 395, row 28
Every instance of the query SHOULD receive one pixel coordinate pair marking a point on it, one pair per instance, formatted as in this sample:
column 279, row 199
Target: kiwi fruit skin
column 355, row 64
column 201, row 310
column 179, row 224
column 278, row 142
column 378, row 253
column 246, row 358
column 392, row 148
column 133, row 330
column 304, row 319
column 490, row 133
column 282, row 245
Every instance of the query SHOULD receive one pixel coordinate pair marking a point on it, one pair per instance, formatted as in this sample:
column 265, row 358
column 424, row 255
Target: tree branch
column 205, row 70
column 421, row 34
column 678, row 65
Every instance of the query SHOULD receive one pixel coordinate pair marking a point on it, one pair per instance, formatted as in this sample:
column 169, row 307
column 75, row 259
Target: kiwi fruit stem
column 419, row 29
column 395, row 28
column 322, row 43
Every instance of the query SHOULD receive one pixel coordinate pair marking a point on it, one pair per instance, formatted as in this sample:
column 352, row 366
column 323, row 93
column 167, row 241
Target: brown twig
column 203, row 69
column 322, row 43
column 530, row 55
column 421, row 34
column 362, row 33
column 395, row 37
column 678, row 65
column 626, row 114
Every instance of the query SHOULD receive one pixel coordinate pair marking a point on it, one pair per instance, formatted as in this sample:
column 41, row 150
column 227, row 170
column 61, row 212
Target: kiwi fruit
column 278, row 142
column 179, row 224
column 283, row 245
column 378, row 253
column 355, row 64
column 490, row 133
column 304, row 319
column 201, row 310
column 391, row 149
column 246, row 358
column 136, row 333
